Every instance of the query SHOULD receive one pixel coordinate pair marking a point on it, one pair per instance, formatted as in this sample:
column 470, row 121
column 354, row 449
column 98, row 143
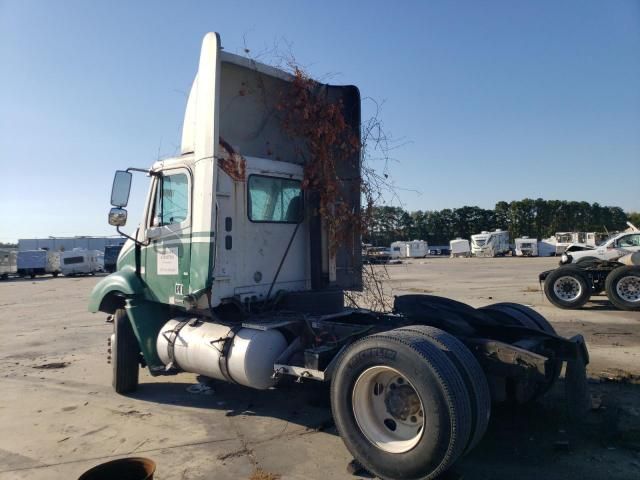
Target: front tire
column 401, row 406
column 623, row 287
column 566, row 287
column 126, row 354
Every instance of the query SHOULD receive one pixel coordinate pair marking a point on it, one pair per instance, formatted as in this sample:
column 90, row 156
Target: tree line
column 534, row 218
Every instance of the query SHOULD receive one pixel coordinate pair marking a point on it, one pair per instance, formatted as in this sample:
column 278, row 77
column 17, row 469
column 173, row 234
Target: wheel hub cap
column 388, row 409
column 567, row 288
column 628, row 289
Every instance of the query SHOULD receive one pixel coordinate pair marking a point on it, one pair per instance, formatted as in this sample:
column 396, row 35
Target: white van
column 79, row 261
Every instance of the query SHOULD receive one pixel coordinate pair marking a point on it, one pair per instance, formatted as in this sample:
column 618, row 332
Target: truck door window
column 630, row 241
column 171, row 200
column 274, row 199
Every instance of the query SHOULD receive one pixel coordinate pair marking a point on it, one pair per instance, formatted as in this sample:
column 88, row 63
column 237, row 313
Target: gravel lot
column 59, row 415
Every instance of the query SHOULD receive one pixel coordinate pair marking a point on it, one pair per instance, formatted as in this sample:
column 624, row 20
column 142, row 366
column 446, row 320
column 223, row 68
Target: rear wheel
column 471, row 373
column 623, row 287
column 401, row 406
column 567, row 287
column 126, row 354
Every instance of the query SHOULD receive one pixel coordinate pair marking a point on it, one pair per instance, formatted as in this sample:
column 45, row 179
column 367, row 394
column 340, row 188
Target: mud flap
column 576, row 387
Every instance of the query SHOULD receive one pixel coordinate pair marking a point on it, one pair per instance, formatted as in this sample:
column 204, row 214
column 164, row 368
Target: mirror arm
column 144, row 170
column 134, row 240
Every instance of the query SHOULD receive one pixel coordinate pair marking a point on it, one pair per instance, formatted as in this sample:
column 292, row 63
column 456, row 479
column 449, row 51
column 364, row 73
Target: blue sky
column 498, row 100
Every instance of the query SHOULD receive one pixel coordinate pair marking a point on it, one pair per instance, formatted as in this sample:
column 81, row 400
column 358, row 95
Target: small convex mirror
column 120, row 189
column 117, row 217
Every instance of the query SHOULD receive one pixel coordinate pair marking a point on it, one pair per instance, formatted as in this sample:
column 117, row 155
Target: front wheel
column 566, row 287
column 126, row 354
column 401, row 406
column 623, row 287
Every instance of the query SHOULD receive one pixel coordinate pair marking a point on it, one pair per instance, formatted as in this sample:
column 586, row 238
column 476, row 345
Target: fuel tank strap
column 223, row 360
column 171, row 337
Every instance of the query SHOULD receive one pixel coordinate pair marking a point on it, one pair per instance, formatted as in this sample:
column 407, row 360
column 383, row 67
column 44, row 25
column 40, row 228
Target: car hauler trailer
column 230, row 275
column 571, row 286
column 490, row 244
column 526, row 247
column 38, row 262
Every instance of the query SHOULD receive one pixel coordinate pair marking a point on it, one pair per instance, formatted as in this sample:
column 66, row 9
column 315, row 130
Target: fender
column 123, row 282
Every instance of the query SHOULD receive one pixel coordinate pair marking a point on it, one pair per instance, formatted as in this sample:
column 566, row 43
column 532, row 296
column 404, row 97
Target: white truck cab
column 614, row 248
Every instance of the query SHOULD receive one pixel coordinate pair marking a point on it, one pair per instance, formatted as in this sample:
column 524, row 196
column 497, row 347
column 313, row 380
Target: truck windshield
column 274, row 199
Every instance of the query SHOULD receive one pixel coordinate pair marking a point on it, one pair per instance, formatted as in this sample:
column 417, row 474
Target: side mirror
column 118, row 217
column 120, row 189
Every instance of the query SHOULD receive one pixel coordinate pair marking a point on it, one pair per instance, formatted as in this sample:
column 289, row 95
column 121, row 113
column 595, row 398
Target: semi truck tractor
column 231, row 274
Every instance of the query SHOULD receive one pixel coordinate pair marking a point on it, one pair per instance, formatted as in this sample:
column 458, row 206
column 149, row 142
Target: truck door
column 166, row 258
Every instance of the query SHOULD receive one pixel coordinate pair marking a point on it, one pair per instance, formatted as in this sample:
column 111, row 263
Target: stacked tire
column 409, row 402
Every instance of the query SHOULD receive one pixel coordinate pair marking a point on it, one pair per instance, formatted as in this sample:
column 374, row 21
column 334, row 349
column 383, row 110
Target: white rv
column 8, row 262
column 412, row 249
column 79, row 261
column 526, row 247
column 490, row 244
column 459, row 248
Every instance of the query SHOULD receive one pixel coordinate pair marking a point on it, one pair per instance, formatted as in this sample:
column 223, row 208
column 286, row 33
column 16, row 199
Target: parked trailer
column 38, row 262
column 224, row 284
column 410, row 249
column 8, row 263
column 460, row 248
column 571, row 286
column 526, row 247
column 490, row 244
column 111, row 253
column 80, row 261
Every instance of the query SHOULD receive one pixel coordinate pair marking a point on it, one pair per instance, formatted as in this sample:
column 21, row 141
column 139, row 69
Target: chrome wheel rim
column 567, row 288
column 388, row 410
column 628, row 289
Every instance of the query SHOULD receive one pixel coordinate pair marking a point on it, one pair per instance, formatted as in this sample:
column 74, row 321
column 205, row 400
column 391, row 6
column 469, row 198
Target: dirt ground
column 59, row 415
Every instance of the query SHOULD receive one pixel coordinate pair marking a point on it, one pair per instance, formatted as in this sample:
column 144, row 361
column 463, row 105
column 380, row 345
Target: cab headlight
column 565, row 258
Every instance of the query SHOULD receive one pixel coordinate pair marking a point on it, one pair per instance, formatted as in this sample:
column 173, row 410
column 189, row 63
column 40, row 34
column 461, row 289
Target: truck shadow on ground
column 525, row 442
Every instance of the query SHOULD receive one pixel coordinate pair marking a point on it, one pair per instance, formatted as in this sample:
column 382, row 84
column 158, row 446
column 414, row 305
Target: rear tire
column 623, row 287
column 472, row 375
column 567, row 287
column 126, row 354
column 382, row 384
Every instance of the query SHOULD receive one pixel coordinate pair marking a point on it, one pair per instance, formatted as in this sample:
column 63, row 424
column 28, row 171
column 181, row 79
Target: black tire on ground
column 378, row 371
column 623, row 287
column 55, row 274
column 472, row 375
column 32, row 275
column 567, row 287
column 125, row 354
column 528, row 317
